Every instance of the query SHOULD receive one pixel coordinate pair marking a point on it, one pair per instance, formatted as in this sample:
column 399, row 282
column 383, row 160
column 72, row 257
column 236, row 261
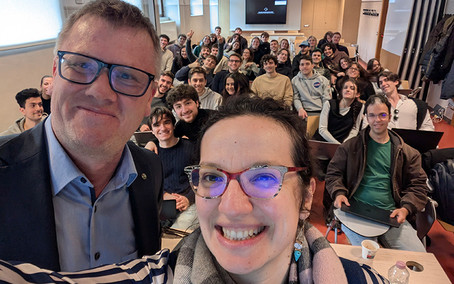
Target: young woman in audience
column 357, row 73
column 205, row 41
column 312, row 40
column 235, row 85
column 327, row 38
column 180, row 60
column 249, row 67
column 284, row 44
column 254, row 189
column 332, row 57
column 255, row 43
column 374, row 68
column 340, row 119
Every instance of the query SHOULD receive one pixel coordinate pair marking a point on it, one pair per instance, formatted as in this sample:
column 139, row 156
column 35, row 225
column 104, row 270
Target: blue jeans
column 402, row 238
column 187, row 220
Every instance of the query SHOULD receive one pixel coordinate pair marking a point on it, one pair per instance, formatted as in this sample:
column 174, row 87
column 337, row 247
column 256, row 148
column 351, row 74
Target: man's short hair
column 182, row 92
column 238, row 28
column 317, row 50
column 268, row 57
column 168, row 74
column 237, row 55
column 212, row 57
column 118, row 14
column 215, row 46
column 182, row 35
column 390, row 76
column 199, row 70
column 378, row 99
column 337, row 33
column 265, row 34
column 306, row 57
column 25, row 94
column 165, row 36
column 217, row 27
column 205, row 47
column 274, row 40
column 159, row 113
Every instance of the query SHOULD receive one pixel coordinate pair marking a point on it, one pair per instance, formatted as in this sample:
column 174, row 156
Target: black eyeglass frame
column 101, row 65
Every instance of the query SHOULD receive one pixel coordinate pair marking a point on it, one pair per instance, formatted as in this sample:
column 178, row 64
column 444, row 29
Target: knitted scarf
column 318, row 262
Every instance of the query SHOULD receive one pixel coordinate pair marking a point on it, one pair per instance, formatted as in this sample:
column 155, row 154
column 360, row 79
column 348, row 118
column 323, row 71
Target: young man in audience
column 175, row 153
column 310, row 91
column 336, row 39
column 46, row 91
column 318, row 64
column 78, row 195
column 160, row 98
column 282, row 66
column 243, row 41
column 305, row 50
column 379, row 169
column 217, row 31
column 204, row 51
column 234, row 63
column 274, row 47
column 31, row 106
column 407, row 113
column 177, row 46
column 167, row 55
column 185, row 102
column 272, row 84
column 209, row 63
column 208, row 98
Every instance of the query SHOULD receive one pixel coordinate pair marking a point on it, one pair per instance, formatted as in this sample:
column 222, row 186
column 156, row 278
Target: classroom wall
column 20, row 70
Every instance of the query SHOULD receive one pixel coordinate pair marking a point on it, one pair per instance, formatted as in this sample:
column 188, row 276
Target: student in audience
column 255, row 47
column 374, row 69
column 274, row 47
column 213, row 39
column 379, row 169
column 209, row 63
column 249, row 67
column 217, row 31
column 332, row 57
column 206, row 41
column 205, row 50
column 284, row 44
column 282, row 66
column 177, row 46
column 357, row 72
column 180, row 60
column 208, row 98
column 242, row 40
column 31, row 106
column 305, row 50
column 336, row 39
column 272, row 84
column 235, row 85
column 264, row 44
column 407, row 113
column 185, row 102
column 312, row 40
column 78, row 195
column 167, row 55
column 318, row 64
column 46, row 92
column 175, row 154
column 214, row 49
column 253, row 205
column 326, row 38
column 310, row 91
column 341, row 118
column 344, row 64
column 234, row 63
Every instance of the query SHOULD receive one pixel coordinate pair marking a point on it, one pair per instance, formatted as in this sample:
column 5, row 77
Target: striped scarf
column 318, row 262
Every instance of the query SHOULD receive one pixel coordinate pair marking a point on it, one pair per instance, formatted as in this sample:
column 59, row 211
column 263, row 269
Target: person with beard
column 31, row 106
column 208, row 98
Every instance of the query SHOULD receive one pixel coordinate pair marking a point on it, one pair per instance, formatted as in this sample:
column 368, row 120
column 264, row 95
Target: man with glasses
column 379, row 169
column 408, row 113
column 78, row 195
column 234, row 63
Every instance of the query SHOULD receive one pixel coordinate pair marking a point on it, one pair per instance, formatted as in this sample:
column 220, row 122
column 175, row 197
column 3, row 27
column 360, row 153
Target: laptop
column 421, row 140
column 143, row 138
column 370, row 212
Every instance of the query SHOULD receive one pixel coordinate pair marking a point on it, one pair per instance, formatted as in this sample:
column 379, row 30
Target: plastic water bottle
column 398, row 273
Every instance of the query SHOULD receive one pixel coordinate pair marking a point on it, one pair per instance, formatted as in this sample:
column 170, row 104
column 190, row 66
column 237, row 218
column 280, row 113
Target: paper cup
column 369, row 249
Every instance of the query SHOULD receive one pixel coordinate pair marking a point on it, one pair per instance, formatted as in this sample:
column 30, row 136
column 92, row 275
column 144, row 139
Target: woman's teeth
column 241, row 235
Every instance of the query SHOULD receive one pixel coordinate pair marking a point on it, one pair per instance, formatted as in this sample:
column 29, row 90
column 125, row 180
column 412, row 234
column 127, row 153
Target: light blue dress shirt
column 90, row 231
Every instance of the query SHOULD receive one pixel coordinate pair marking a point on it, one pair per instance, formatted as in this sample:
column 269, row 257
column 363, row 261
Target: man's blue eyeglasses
column 81, row 69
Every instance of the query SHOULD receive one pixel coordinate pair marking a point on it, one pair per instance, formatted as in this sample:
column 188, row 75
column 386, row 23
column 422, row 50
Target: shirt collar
column 63, row 170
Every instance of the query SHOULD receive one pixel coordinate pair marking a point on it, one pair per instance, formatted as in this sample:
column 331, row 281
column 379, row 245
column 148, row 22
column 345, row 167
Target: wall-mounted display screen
column 266, row 12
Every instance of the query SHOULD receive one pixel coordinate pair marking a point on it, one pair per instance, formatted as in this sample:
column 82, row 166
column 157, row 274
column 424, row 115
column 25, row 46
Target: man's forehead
column 33, row 100
column 165, row 78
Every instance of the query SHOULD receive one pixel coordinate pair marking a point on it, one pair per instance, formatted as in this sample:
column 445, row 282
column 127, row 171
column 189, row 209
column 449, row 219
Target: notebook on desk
column 421, row 140
column 370, row 212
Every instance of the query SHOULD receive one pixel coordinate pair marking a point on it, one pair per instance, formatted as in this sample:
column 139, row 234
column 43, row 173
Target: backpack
column 442, row 179
column 422, row 112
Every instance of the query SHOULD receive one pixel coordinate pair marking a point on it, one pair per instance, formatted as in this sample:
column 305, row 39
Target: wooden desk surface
column 385, row 258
